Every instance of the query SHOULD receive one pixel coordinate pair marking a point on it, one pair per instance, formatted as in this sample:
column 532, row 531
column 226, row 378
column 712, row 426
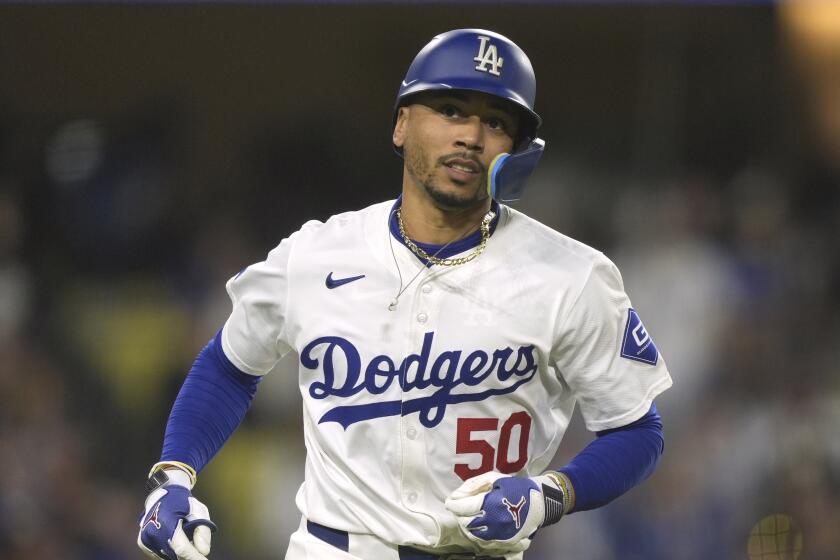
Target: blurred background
column 148, row 153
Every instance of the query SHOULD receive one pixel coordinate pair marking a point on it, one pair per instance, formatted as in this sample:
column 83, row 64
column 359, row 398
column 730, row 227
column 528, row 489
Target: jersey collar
column 469, row 242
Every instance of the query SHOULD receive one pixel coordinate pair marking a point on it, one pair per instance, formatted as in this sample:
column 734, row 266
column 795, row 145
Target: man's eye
column 449, row 111
column 496, row 124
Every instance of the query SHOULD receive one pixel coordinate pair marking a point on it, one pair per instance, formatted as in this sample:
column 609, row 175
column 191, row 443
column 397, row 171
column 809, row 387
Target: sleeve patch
column 637, row 343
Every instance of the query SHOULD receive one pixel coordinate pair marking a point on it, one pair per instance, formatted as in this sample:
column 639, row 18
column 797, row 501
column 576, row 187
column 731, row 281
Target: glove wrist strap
column 565, row 485
column 554, row 504
column 155, row 481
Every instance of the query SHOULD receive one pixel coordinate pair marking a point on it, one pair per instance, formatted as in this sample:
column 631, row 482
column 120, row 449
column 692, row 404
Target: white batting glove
column 501, row 513
column 175, row 525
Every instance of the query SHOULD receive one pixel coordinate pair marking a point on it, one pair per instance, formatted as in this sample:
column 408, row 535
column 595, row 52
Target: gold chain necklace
column 485, row 235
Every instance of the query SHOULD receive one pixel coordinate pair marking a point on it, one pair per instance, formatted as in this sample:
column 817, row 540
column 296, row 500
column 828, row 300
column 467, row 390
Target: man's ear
column 398, row 137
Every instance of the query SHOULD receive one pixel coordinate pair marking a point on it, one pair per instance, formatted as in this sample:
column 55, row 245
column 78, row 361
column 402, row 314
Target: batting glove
column 174, row 525
column 501, row 513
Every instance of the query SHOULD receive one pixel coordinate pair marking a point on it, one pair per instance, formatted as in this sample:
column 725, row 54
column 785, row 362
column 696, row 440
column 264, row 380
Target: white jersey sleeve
column 254, row 336
column 605, row 355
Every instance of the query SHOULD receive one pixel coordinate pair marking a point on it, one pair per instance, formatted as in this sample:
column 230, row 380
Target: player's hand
column 174, row 525
column 501, row 513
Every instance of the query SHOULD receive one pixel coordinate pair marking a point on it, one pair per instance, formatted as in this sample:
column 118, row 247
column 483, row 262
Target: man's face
column 449, row 140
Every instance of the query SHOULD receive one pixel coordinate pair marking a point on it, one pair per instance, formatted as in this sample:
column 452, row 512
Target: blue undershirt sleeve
column 210, row 405
column 616, row 461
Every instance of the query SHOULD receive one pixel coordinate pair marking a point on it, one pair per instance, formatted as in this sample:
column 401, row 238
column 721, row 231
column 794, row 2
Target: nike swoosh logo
column 406, row 84
column 333, row 283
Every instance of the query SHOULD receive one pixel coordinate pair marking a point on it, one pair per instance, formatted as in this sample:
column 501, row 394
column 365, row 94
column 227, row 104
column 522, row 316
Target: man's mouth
column 462, row 165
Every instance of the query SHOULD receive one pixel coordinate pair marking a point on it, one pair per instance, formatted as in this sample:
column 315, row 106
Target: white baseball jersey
column 477, row 368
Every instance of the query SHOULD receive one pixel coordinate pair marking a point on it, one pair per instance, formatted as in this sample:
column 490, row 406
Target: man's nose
column 471, row 134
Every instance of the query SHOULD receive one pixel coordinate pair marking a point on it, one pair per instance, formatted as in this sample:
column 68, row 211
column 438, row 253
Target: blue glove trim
column 210, row 405
column 616, row 461
column 190, row 526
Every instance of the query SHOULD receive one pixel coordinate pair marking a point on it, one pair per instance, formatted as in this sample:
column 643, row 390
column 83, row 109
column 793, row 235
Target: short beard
column 422, row 174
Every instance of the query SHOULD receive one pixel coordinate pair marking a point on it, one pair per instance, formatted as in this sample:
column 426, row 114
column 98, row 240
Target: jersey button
column 411, row 433
column 412, row 497
column 422, row 318
column 426, row 288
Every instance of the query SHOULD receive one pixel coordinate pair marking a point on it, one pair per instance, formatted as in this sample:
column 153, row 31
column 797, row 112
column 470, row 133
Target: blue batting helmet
column 483, row 61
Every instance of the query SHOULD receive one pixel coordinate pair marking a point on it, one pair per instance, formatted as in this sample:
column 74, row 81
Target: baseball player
column 444, row 339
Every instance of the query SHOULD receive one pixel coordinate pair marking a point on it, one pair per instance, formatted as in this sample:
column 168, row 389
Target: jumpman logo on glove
column 515, row 510
column 153, row 519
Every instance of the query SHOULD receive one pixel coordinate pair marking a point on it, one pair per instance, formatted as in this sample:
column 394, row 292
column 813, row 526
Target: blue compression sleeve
column 616, row 461
column 210, row 405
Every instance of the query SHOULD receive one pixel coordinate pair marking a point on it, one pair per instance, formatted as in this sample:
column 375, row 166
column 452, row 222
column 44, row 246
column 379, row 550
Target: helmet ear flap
column 509, row 173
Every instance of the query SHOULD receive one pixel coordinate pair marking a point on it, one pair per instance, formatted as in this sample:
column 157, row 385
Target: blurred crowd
column 112, row 279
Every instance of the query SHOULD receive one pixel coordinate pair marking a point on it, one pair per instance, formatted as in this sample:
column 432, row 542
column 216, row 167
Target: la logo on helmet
column 487, row 54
